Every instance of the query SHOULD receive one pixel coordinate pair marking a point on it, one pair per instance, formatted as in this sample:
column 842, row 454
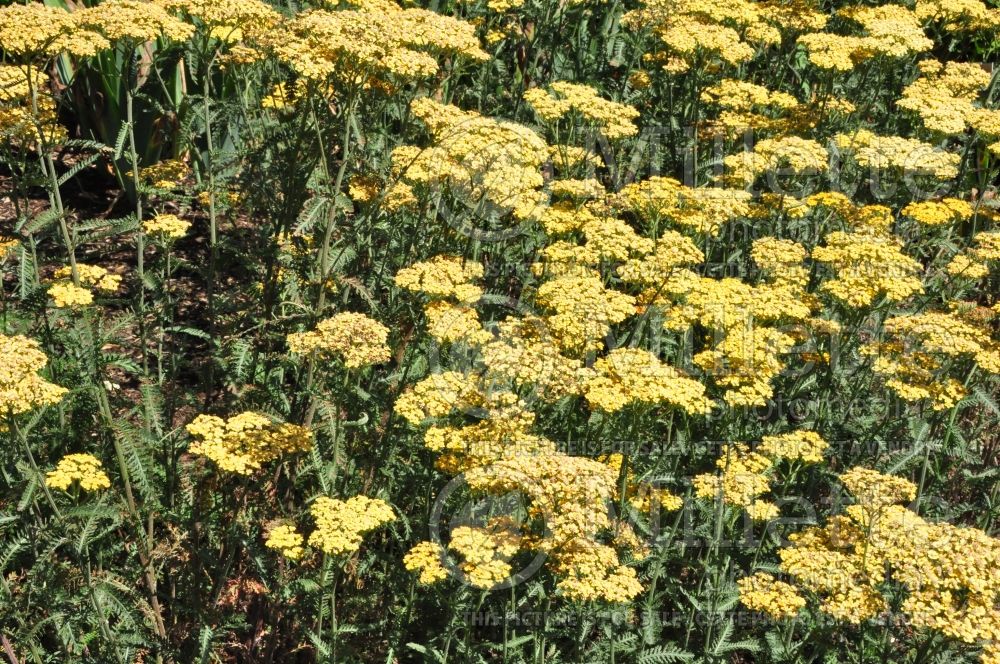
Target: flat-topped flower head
column 131, row 20
column 83, row 468
column 427, row 558
column 340, row 524
column 169, row 226
column 34, row 31
column 66, row 295
column 286, row 540
column 244, row 442
column 359, row 340
column 21, row 388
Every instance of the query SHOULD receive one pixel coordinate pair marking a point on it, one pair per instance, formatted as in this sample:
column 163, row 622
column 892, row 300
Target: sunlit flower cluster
column 92, row 275
column 947, row 572
column 132, row 20
column 23, row 120
column 21, row 388
column 66, row 295
column 743, row 477
column 700, row 210
column 169, row 226
column 762, row 592
column 477, row 158
column 614, row 120
column 244, row 442
column 83, row 468
column 921, row 348
column 341, row 524
column 286, row 540
column 376, row 41
column 426, row 558
column 868, row 266
column 356, row 338
column 443, row 277
column 36, row 30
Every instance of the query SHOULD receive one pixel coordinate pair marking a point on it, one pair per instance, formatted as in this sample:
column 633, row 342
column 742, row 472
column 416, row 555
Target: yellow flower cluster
column 131, row 20
column 569, row 494
column 868, row 265
column 631, row 375
column 591, row 571
column 503, row 431
column 740, row 95
column 437, row 396
column 938, row 213
column 451, row 323
column 165, row 174
column 747, row 353
column 701, row 210
column 606, row 238
column 762, row 592
column 833, row 52
column 578, row 190
column 986, row 246
column 92, row 275
column 890, row 30
column 35, row 30
column 958, row 15
column 974, row 261
column 568, row 157
column 876, row 491
column 948, row 573
column 83, row 468
column 944, row 95
column 801, row 156
column 583, row 310
column 838, row 564
column 781, row 260
column 443, row 277
column 67, row 295
column 564, row 98
column 7, row 246
column 870, row 219
column 476, row 157
column 21, row 388
column 244, row 442
column 376, row 42
column 169, row 226
column 802, row 445
column 499, row 454
column 912, row 360
column 525, row 354
column 250, row 17
column 964, row 267
column 485, row 552
column 744, row 105
column 426, row 558
column 20, row 120
column 908, row 155
column 742, row 478
column 731, row 32
column 664, row 271
column 340, row 524
column 286, row 540
column 356, row 338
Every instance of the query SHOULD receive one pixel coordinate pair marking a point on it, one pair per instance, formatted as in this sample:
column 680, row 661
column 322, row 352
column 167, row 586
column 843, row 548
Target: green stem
column 140, row 235
column 324, row 254
column 55, row 196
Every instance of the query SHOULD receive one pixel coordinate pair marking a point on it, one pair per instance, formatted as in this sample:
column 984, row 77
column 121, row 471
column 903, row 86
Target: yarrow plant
column 502, row 330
